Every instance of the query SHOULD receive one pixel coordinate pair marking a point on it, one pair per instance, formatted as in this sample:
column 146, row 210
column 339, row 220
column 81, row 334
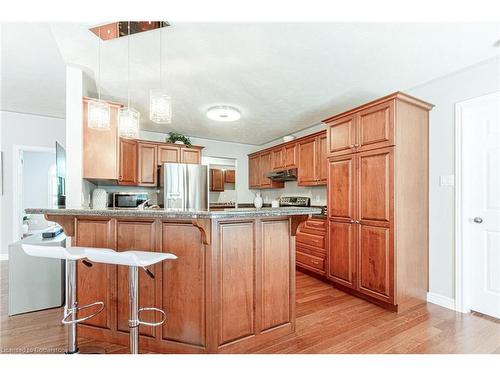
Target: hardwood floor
column 328, row 321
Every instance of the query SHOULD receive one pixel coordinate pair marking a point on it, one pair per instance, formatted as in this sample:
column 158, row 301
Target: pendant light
column 98, row 112
column 160, row 102
column 128, row 118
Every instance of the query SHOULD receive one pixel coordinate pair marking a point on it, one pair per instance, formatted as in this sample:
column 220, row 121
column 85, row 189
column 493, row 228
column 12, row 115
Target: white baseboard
column 441, row 300
column 4, row 256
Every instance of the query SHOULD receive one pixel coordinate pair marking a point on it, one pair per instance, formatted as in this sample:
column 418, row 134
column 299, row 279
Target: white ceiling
column 282, row 76
column 32, row 70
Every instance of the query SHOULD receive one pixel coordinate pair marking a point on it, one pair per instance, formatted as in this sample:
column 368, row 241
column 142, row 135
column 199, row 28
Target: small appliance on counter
column 128, row 200
column 295, row 201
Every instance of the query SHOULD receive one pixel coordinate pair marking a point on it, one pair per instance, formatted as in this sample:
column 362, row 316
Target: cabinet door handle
column 353, row 221
column 352, row 146
column 356, row 145
column 314, row 262
column 357, row 221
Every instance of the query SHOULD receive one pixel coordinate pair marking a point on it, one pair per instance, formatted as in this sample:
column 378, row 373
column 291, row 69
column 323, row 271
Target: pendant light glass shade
column 160, row 106
column 128, row 122
column 98, row 115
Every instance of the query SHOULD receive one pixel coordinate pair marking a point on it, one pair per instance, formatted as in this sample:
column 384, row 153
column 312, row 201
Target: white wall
column 26, row 130
column 444, row 93
column 220, row 149
column 36, row 168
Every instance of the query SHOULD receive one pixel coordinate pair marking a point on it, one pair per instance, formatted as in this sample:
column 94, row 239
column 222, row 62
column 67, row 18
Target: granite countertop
column 179, row 213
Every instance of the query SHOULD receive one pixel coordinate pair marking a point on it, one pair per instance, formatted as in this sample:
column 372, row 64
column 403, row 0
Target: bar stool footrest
column 153, row 324
column 76, row 309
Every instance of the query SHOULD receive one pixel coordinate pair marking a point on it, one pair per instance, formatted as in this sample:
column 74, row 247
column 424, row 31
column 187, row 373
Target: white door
column 481, row 202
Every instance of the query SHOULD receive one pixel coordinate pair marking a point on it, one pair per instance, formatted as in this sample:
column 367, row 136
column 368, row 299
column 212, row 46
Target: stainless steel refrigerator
column 183, row 186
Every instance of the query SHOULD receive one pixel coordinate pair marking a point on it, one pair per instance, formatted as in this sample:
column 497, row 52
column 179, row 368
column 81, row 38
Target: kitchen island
column 232, row 286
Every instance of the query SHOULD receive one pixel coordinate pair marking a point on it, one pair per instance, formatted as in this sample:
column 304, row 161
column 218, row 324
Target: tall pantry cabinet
column 378, row 200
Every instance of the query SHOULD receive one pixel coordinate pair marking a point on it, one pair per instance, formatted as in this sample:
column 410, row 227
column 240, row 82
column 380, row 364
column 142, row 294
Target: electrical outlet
column 447, row 180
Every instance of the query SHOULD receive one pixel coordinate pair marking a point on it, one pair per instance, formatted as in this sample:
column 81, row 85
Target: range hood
column 286, row 175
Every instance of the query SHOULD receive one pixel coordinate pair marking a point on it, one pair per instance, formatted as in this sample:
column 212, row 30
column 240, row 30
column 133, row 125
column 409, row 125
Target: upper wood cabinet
column 190, row 155
column 147, row 164
column 258, row 166
column 312, row 164
column 108, row 157
column 265, row 167
column 128, row 162
column 377, row 192
column 278, row 159
column 100, row 147
column 168, row 154
column 254, row 172
column 307, row 168
column 230, row 176
column 307, row 154
column 364, row 130
column 216, row 180
column 290, row 155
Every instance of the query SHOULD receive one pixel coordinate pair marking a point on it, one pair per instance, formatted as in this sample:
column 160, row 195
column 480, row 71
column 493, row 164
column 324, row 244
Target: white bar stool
column 134, row 260
column 71, row 256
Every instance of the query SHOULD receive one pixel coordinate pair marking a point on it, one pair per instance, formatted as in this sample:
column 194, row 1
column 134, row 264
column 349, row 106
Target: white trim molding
column 4, row 256
column 441, row 300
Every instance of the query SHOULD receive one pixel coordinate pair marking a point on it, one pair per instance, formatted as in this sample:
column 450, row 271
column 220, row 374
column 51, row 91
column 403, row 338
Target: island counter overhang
column 231, row 288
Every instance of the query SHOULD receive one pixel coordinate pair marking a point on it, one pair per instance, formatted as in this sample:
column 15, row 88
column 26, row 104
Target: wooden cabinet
column 110, row 158
column 258, row 165
column 377, row 192
column 254, row 172
column 278, row 159
column 290, row 155
column 307, row 154
column 147, row 164
column 312, row 165
column 216, row 180
column 265, row 167
column 100, row 147
column 230, row 176
column 190, row 155
column 307, row 169
column 128, row 162
column 367, row 129
column 168, row 154
column 311, row 246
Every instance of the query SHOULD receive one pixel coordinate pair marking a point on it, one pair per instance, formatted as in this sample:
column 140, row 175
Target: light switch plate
column 447, row 180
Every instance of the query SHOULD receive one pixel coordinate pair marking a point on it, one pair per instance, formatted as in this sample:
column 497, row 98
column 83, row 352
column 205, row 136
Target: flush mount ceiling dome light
column 223, row 113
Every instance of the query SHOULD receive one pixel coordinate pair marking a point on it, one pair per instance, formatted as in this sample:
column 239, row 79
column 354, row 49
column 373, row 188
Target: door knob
column 478, row 220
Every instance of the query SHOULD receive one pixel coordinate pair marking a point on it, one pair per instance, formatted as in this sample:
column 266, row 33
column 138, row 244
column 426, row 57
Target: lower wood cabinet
column 310, row 246
column 342, row 253
column 218, row 297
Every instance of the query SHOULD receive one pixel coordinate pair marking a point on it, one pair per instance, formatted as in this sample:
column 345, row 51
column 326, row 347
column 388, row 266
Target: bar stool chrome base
column 134, row 311
column 134, row 260
column 71, row 308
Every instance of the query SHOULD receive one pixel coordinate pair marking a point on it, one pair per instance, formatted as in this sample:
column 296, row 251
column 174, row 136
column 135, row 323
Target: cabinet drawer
column 316, row 224
column 311, row 239
column 310, row 261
